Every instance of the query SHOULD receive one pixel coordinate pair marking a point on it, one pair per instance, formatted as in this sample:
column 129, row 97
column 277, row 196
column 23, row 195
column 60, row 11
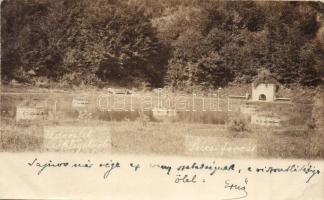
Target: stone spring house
column 263, row 92
column 264, row 87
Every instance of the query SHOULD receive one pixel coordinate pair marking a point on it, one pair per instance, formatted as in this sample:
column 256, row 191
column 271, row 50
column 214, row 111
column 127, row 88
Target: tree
column 108, row 40
column 185, row 43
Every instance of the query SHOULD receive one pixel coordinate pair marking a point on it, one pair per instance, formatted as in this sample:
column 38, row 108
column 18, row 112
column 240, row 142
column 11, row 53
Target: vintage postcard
column 162, row 99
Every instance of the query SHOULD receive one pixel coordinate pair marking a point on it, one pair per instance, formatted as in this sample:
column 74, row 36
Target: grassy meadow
column 138, row 131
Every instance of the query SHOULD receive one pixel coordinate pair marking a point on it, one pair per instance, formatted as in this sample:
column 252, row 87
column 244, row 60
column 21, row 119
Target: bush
column 237, row 125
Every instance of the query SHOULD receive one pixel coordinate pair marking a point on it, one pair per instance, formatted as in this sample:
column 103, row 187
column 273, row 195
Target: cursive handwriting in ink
column 111, row 166
column 235, row 187
column 212, row 168
column 307, row 169
column 167, row 168
column 48, row 164
column 135, row 166
column 83, row 165
column 185, row 179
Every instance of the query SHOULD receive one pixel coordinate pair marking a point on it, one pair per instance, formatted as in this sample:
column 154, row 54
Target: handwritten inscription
column 181, row 172
column 242, row 188
column 42, row 166
column 308, row 169
column 220, row 146
column 186, row 173
column 186, row 179
column 77, row 138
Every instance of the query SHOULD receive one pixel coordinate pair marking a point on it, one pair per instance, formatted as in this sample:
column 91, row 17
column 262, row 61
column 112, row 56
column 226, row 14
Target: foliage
column 237, row 125
column 246, row 37
column 179, row 43
column 264, row 76
column 110, row 40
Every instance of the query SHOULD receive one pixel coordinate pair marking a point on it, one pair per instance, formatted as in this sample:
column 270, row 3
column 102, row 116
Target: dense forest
column 176, row 43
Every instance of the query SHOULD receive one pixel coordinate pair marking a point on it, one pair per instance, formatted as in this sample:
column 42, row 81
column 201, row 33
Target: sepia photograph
column 190, row 78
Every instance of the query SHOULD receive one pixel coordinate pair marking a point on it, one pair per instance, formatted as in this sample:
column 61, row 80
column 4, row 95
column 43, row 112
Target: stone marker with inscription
column 80, row 102
column 263, row 120
column 30, row 113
